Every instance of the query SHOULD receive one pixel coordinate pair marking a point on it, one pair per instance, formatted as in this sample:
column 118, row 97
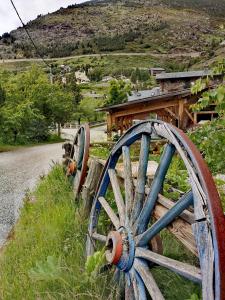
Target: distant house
column 178, row 81
column 81, row 77
column 156, row 71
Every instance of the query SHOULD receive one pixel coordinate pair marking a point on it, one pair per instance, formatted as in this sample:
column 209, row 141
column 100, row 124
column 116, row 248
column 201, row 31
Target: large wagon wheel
column 77, row 166
column 135, row 219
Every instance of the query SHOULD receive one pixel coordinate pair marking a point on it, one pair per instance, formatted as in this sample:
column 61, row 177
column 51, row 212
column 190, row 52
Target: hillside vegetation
column 122, row 26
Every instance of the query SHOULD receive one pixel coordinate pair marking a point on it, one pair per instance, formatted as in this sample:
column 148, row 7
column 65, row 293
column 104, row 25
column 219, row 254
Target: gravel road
column 20, row 171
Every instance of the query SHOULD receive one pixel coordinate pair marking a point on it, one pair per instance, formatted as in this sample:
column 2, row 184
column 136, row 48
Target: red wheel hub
column 114, row 246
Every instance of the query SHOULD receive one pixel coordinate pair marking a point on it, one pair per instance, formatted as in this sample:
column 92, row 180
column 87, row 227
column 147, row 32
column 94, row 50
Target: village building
column 156, row 71
column 81, row 77
column 169, row 102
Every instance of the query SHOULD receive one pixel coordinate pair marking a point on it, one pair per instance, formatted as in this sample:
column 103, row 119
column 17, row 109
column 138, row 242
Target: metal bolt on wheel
column 138, row 214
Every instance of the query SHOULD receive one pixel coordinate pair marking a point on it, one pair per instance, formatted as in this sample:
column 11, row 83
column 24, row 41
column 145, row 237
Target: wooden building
column 171, row 105
column 170, row 82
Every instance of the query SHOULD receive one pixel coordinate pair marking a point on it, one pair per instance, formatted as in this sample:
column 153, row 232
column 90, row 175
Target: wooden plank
column 118, row 196
column 167, row 203
column 147, row 108
column 148, row 279
column 206, row 257
column 186, row 270
column 113, row 217
column 189, row 115
column 179, row 228
column 90, row 186
column 128, row 181
column 171, row 113
column 167, row 219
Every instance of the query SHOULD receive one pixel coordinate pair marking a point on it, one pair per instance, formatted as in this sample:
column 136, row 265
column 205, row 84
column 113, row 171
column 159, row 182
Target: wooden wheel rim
column 215, row 218
column 84, row 153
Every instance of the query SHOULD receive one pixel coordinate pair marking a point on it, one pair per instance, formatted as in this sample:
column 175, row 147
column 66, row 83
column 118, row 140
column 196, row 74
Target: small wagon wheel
column 77, row 167
column 134, row 218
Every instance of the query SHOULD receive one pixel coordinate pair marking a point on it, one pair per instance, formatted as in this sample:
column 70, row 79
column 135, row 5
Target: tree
column 95, row 74
column 2, row 96
column 61, row 105
column 211, row 96
column 73, row 87
column 118, row 92
column 31, row 105
column 87, row 107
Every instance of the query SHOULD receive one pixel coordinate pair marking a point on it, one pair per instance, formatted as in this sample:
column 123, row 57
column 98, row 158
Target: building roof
column 137, row 95
column 163, row 96
column 177, row 75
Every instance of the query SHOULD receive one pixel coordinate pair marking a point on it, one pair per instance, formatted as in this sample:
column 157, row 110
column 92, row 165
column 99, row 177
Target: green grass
column 7, row 148
column 11, row 147
column 45, row 257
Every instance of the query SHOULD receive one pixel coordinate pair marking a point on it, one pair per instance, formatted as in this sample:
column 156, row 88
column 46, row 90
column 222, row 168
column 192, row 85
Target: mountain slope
column 125, row 25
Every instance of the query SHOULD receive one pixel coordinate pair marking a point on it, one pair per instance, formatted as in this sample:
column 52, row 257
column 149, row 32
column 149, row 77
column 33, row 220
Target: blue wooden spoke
column 139, row 287
column 157, row 184
column 185, row 201
column 141, row 178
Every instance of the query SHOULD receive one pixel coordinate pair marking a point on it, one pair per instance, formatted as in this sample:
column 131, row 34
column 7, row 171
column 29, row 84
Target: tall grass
column 45, row 257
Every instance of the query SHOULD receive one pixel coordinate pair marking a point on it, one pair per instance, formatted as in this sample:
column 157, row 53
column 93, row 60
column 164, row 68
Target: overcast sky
column 28, row 9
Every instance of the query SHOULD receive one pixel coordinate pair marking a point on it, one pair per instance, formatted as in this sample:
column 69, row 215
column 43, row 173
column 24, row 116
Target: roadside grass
column 7, row 148
column 53, row 139
column 45, row 258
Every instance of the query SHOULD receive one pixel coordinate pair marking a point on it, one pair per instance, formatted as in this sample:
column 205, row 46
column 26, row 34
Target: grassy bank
column 10, row 147
column 45, row 258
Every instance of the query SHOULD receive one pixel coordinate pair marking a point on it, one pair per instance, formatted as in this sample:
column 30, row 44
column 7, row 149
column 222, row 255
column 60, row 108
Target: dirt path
column 169, row 55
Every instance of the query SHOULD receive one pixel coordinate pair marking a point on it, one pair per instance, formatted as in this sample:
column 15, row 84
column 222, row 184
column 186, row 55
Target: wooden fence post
column 90, row 185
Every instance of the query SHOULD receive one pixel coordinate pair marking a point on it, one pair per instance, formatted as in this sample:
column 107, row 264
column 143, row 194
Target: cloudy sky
column 28, row 10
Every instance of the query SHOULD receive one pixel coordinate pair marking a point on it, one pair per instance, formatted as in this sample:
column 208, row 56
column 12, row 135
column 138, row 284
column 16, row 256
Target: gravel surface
column 97, row 134
column 19, row 172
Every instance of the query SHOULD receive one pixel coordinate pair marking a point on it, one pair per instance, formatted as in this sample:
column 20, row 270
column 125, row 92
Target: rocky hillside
column 164, row 26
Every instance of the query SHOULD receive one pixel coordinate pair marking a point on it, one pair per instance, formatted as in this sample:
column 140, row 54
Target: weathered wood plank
column 90, row 185
column 181, row 268
column 185, row 215
column 148, row 280
column 118, row 196
column 206, row 257
column 167, row 219
column 179, row 228
column 113, row 217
